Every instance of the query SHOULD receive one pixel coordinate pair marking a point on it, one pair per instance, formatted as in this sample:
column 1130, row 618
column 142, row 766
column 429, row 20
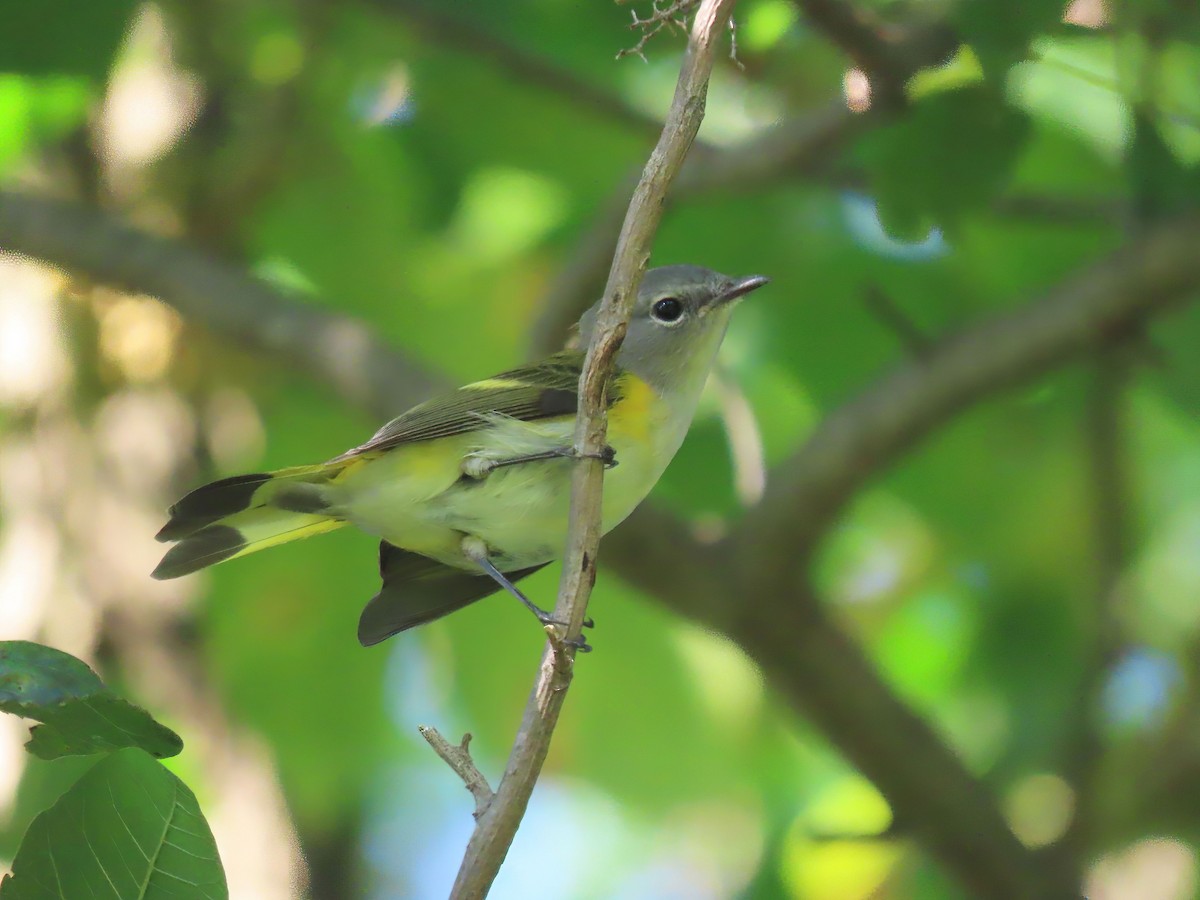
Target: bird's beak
column 741, row 287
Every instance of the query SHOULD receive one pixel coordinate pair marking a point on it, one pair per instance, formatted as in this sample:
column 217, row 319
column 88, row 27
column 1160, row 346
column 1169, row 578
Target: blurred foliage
column 371, row 157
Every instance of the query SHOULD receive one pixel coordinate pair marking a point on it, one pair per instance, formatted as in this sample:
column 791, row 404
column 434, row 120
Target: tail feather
column 239, row 515
column 208, row 504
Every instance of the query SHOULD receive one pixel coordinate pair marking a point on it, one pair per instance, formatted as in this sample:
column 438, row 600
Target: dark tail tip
column 210, row 503
column 206, row 547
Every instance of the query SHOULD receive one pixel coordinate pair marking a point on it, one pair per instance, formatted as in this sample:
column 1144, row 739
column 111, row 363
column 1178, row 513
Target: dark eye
column 668, row 309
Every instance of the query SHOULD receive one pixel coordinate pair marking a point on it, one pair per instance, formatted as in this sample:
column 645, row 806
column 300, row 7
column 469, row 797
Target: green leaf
column 1161, row 183
column 127, row 829
column 1001, row 32
column 950, row 156
column 79, row 714
column 62, row 36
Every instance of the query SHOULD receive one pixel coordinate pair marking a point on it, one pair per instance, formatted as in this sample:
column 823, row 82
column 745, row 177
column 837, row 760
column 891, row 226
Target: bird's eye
column 668, row 310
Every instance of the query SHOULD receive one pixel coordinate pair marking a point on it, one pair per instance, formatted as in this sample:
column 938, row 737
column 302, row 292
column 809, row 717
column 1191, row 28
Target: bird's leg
column 479, row 467
column 476, row 551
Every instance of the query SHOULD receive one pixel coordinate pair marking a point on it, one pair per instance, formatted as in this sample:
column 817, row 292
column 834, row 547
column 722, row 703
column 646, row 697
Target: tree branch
column 339, row 350
column 458, row 32
column 1106, row 442
column 888, row 54
column 805, row 655
column 858, row 440
column 495, row 829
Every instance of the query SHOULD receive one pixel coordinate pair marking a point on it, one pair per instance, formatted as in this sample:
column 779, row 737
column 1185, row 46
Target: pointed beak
column 742, row 286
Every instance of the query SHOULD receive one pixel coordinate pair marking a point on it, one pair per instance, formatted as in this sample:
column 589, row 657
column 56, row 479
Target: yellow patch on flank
column 638, row 409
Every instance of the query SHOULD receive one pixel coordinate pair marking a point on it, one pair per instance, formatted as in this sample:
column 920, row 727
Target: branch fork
column 459, row 759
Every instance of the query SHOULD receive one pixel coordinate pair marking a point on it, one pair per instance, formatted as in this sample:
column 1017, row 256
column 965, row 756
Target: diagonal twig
column 496, row 828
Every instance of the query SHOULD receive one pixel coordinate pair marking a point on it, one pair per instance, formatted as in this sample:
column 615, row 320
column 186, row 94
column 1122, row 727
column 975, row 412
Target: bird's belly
column 521, row 512
column 416, row 498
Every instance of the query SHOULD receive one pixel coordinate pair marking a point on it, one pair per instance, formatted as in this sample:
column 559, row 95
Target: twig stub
column 459, row 759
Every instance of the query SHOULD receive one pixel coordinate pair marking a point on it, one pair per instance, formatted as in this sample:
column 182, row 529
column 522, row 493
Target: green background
column 431, row 172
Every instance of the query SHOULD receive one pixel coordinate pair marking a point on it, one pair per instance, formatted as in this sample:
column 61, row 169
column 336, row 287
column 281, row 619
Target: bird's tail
column 236, row 516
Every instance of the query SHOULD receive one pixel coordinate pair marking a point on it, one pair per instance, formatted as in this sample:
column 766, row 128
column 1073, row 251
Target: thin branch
column 459, row 759
column 887, row 53
column 496, row 828
column 673, row 17
column 895, row 320
column 859, row 33
column 460, row 33
column 744, row 437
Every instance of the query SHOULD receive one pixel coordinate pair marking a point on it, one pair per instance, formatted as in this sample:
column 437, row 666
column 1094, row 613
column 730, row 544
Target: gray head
column 678, row 322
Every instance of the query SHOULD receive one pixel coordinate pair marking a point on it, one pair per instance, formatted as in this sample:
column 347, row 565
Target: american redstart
column 470, row 491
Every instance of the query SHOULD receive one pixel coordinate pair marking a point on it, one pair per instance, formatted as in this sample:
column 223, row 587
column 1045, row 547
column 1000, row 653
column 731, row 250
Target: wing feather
column 538, row 391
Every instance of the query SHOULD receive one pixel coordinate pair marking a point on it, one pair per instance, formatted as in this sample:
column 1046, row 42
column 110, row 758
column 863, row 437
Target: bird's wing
column 536, row 391
column 417, row 589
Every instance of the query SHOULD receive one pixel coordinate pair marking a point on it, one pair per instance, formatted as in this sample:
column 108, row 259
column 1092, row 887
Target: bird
column 469, row 492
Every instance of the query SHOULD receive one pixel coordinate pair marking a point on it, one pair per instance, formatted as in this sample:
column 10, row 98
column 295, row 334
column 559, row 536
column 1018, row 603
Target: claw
column 580, row 644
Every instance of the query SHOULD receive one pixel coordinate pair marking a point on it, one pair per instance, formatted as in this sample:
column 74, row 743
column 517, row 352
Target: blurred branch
column 805, row 655
column 495, row 829
column 459, row 759
column 880, row 305
column 457, row 32
column 1066, row 210
column 859, row 33
column 803, row 145
column 339, row 350
column 1106, row 443
column 887, row 53
column 857, row 441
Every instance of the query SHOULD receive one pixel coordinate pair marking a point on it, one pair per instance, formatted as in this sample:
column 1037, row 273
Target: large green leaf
column 950, row 156
column 80, row 715
column 127, row 830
